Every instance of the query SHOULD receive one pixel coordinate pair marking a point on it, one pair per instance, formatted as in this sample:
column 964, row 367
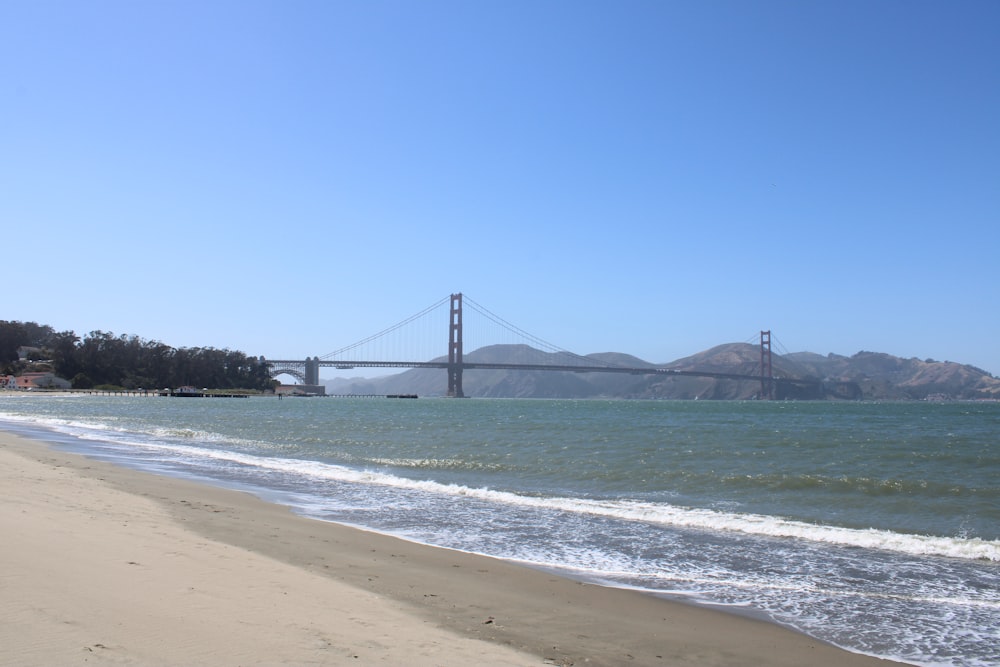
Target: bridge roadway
column 474, row 365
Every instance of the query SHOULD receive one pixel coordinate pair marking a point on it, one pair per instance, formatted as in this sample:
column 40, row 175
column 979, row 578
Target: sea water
column 873, row 526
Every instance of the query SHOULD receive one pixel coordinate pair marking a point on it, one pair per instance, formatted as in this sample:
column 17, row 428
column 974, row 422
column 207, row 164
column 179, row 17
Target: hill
column 884, row 376
column 866, row 375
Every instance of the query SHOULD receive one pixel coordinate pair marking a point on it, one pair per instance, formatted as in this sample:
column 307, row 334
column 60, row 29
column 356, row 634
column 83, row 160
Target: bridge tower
column 766, row 376
column 455, row 348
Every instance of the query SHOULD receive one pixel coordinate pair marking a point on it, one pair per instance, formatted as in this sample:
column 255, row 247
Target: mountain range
column 863, row 376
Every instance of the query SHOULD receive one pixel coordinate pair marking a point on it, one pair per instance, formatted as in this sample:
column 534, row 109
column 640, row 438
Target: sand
column 104, row 565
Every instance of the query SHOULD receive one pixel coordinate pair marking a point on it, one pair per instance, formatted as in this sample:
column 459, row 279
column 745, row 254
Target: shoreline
column 188, row 573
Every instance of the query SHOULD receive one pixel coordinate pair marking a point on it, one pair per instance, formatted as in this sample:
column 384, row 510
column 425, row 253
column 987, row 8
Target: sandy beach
column 105, row 565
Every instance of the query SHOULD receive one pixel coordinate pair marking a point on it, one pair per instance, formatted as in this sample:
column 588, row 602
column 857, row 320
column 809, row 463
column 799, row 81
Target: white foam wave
column 631, row 510
column 109, row 432
column 57, row 424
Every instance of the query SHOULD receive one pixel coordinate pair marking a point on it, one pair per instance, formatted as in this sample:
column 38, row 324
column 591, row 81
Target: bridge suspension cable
column 537, row 342
column 384, row 332
column 382, row 338
column 780, row 347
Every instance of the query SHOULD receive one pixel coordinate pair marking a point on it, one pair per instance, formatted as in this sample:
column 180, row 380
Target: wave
column 437, row 464
column 871, row 486
column 624, row 509
column 630, row 510
column 109, row 432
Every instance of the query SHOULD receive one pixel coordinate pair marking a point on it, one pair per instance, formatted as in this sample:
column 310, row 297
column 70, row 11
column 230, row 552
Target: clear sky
column 288, row 177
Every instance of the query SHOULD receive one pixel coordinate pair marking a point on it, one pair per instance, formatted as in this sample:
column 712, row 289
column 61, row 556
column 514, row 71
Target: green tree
column 103, row 358
column 12, row 336
column 63, row 352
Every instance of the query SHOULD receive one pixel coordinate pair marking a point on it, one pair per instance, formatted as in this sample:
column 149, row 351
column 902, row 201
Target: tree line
column 104, row 359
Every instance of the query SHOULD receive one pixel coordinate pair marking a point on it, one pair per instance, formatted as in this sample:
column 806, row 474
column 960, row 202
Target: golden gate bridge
column 372, row 352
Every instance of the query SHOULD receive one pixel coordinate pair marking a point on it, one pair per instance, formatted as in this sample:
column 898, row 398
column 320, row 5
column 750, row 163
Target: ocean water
column 873, row 526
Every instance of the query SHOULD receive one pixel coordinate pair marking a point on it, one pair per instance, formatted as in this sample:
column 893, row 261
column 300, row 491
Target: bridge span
column 307, row 370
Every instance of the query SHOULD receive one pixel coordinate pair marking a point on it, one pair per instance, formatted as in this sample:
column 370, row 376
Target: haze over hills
column 866, row 375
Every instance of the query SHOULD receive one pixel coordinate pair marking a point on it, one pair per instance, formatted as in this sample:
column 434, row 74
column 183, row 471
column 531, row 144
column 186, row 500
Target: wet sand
column 106, row 565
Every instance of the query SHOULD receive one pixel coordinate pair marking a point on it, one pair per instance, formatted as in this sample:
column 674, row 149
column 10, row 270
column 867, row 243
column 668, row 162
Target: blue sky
column 286, row 178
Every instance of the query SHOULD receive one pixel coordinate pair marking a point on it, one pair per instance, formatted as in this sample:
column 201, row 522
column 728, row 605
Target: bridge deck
column 472, row 365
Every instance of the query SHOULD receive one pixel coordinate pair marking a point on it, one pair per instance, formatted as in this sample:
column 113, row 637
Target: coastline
column 112, row 565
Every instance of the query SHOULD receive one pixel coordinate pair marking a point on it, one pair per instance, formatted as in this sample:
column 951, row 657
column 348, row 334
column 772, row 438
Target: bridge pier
column 312, row 371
